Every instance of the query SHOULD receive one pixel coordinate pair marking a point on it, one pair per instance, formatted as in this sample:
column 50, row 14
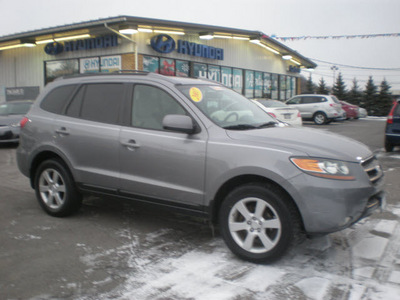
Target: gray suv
column 322, row 109
column 195, row 146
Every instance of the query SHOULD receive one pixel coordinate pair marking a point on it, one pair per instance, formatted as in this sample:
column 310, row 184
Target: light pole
column 334, row 69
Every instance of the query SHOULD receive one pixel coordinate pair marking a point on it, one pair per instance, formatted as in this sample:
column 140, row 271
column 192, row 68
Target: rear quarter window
column 57, row 99
column 396, row 111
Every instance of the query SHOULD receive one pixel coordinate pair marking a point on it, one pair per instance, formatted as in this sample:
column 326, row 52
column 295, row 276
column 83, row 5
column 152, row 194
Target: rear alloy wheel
column 320, row 118
column 55, row 189
column 257, row 223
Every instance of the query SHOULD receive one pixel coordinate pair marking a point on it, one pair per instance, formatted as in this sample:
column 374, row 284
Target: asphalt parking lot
column 114, row 249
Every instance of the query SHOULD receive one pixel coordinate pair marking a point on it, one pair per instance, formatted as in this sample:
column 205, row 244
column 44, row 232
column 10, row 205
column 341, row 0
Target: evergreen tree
column 339, row 88
column 370, row 96
column 309, row 86
column 355, row 95
column 322, row 88
column 384, row 101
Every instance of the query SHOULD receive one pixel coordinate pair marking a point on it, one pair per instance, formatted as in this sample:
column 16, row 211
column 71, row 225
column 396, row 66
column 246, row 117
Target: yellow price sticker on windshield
column 195, row 94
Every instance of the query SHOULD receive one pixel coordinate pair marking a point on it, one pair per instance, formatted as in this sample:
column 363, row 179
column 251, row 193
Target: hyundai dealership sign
column 163, row 43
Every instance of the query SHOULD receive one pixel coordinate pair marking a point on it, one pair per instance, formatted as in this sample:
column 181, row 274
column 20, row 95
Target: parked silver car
column 198, row 147
column 322, row 109
column 11, row 114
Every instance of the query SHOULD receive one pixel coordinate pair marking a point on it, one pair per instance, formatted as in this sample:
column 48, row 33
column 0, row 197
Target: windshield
column 14, row 108
column 226, row 108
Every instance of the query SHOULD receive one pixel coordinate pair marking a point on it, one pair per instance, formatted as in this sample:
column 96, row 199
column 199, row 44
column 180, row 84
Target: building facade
column 249, row 62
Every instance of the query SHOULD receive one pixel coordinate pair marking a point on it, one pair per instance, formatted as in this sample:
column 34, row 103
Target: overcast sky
column 282, row 18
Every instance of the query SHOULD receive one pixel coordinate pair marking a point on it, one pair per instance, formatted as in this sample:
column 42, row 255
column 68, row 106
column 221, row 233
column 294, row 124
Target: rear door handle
column 62, row 131
column 131, row 144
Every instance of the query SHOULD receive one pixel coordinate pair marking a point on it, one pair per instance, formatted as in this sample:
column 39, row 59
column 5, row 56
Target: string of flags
column 325, row 37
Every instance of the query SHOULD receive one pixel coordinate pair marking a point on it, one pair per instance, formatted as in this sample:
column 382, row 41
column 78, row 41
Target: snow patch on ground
column 315, row 287
column 361, row 262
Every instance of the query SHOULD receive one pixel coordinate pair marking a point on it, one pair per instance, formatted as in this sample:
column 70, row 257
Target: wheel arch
column 319, row 112
column 232, row 183
column 41, row 157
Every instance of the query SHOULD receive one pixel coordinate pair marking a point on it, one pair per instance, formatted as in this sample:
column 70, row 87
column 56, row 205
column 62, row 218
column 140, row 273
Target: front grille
column 373, row 169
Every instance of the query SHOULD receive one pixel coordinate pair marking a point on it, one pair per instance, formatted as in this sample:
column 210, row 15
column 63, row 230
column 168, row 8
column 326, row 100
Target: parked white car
column 322, row 109
column 280, row 111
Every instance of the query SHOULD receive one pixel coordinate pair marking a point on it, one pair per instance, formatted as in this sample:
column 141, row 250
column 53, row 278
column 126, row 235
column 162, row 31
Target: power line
column 335, row 37
column 357, row 67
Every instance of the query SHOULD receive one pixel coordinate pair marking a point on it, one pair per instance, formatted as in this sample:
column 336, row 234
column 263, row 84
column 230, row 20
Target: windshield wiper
column 268, row 124
column 240, row 127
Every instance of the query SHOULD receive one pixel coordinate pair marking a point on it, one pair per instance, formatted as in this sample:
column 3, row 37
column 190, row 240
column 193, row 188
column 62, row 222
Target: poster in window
column 182, row 68
column 274, row 86
column 249, row 84
column 167, row 66
column 226, row 76
column 110, row 64
column 258, row 84
column 267, row 86
column 293, row 86
column 89, row 65
column 60, row 68
column 214, row 73
column 200, row 70
column 150, row 64
column 283, row 87
column 238, row 80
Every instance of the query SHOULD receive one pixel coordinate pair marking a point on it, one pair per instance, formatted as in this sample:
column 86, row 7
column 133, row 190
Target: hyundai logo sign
column 54, row 48
column 163, row 43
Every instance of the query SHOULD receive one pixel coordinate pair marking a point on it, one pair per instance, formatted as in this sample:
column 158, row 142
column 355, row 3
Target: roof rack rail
column 131, row 72
column 119, row 72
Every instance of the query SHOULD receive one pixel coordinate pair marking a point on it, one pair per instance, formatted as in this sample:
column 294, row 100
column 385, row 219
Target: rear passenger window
column 97, row 102
column 56, row 100
column 307, row 100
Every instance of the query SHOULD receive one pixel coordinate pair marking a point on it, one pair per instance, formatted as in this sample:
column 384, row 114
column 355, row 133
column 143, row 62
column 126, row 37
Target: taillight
column 272, row 115
column 299, row 115
column 23, row 122
column 390, row 116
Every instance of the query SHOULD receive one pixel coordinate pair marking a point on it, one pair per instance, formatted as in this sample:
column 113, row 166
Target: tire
column 320, row 118
column 388, row 146
column 258, row 223
column 55, row 189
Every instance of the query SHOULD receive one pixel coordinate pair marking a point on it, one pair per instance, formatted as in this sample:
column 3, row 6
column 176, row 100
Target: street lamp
column 334, row 69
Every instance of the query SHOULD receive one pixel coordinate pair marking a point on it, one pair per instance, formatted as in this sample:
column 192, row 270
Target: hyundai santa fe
column 195, row 146
column 322, row 109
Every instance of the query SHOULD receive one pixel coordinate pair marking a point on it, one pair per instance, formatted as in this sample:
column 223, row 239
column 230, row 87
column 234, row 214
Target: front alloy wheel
column 254, row 225
column 258, row 222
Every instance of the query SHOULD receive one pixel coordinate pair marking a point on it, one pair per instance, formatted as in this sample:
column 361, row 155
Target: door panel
column 157, row 163
column 162, row 165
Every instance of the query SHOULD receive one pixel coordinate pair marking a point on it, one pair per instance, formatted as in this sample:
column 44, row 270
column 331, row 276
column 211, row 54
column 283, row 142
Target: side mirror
column 179, row 123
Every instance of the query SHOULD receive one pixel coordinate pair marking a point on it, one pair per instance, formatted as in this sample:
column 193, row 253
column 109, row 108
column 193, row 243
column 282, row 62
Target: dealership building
column 250, row 62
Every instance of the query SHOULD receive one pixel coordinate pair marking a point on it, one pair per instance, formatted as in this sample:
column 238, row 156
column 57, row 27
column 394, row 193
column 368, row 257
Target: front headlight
column 326, row 168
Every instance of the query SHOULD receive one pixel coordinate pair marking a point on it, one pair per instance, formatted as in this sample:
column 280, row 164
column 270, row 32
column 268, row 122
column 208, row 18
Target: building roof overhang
column 98, row 26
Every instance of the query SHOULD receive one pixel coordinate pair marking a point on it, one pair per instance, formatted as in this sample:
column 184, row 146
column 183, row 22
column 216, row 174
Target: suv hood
column 311, row 142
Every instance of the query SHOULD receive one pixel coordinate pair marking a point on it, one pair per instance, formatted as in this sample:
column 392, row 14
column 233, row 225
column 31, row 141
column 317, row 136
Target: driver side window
column 151, row 105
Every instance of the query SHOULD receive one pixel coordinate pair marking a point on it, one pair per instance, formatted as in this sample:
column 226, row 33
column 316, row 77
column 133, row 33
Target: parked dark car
column 392, row 132
column 11, row 114
column 350, row 109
